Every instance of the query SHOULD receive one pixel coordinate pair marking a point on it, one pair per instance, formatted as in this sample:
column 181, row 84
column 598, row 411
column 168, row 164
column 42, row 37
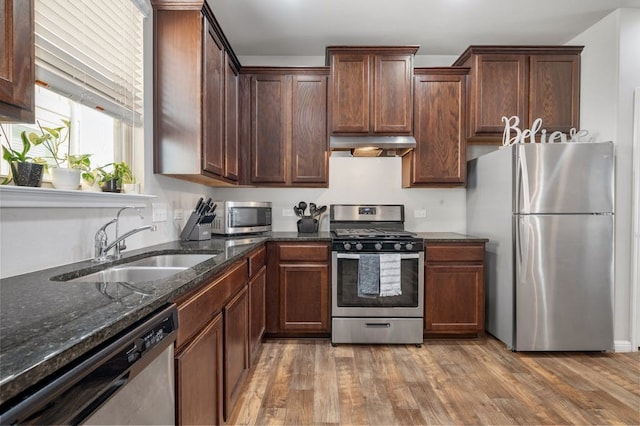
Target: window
column 89, row 70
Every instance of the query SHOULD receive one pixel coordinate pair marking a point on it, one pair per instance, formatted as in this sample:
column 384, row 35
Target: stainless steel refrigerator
column 548, row 212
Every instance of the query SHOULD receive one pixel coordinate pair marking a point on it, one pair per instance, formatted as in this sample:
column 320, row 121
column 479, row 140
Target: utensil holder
column 308, row 225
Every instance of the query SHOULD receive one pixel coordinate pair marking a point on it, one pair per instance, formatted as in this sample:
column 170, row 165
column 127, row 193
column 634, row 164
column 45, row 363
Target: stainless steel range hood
column 373, row 146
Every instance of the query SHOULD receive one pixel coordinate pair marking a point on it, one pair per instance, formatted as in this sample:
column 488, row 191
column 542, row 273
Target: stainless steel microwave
column 241, row 217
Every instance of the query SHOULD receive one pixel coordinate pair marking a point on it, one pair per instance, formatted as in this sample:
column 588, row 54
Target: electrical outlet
column 287, row 212
column 420, row 213
column 158, row 212
column 178, row 214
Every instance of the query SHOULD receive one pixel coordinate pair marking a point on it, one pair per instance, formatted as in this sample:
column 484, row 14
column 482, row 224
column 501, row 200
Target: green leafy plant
column 11, row 155
column 53, row 138
column 121, row 172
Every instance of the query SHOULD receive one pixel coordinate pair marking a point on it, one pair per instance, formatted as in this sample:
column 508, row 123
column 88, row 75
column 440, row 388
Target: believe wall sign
column 529, row 135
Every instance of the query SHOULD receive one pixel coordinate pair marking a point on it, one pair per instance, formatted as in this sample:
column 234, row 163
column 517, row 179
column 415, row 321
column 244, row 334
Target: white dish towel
column 390, row 275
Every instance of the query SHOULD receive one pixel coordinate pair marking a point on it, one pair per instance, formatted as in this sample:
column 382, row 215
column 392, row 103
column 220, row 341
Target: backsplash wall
column 367, row 181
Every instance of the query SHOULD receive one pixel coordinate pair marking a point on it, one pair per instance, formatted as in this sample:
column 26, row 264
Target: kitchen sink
column 150, row 268
column 130, row 274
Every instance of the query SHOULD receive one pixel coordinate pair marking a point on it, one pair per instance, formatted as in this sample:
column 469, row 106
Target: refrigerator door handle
column 523, row 193
column 522, row 249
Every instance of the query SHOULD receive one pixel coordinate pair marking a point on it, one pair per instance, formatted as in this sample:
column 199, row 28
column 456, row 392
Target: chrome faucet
column 102, row 245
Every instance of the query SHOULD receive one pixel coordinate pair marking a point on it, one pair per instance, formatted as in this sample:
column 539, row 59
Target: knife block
column 200, row 232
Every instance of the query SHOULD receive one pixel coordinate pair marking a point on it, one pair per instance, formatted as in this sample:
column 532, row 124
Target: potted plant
column 23, row 169
column 129, row 184
column 53, row 139
column 111, row 181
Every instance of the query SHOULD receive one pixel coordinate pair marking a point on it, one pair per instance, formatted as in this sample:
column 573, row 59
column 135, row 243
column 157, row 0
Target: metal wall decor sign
column 529, row 135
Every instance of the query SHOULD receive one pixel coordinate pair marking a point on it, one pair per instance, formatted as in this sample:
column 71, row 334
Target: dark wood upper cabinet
column 286, row 129
column 231, row 167
column 371, row 89
column 529, row 82
column 195, row 120
column 309, row 151
column 439, row 158
column 213, row 102
column 17, row 68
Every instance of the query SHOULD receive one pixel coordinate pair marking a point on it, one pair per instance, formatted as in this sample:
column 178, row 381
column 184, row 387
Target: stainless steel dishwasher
column 128, row 380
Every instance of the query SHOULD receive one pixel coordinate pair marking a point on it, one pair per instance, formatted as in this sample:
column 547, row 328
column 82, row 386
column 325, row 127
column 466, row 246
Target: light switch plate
column 287, row 212
column 420, row 213
column 158, row 212
column 178, row 214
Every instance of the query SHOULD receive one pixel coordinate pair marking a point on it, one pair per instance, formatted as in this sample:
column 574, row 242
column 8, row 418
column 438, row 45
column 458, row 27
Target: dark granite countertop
column 45, row 324
column 449, row 237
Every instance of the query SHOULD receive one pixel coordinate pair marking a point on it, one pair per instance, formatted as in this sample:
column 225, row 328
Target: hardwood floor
column 299, row 382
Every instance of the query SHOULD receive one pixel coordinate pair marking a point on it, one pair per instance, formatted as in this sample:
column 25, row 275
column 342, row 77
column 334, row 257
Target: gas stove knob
column 359, row 246
column 409, row 246
column 347, row 246
column 378, row 246
column 397, row 246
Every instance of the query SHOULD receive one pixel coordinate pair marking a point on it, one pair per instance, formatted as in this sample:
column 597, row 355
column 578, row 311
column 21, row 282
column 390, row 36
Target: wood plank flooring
column 309, row 382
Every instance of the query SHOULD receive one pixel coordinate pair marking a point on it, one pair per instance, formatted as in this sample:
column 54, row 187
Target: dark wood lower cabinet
column 304, row 297
column 257, row 319
column 298, row 289
column 198, row 367
column 236, row 348
column 454, row 289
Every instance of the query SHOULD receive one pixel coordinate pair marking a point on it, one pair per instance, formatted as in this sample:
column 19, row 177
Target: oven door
column 344, row 287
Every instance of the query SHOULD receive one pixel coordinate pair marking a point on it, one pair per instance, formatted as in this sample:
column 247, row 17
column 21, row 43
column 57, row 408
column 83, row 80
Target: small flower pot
column 65, row 178
column 110, row 186
column 131, row 188
column 27, row 174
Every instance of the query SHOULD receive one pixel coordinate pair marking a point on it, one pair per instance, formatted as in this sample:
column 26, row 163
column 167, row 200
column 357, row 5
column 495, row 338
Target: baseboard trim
column 623, row 346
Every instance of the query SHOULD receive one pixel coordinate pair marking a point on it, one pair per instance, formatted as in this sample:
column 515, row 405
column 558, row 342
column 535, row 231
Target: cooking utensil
column 297, row 211
column 318, row 211
column 312, row 209
column 302, row 206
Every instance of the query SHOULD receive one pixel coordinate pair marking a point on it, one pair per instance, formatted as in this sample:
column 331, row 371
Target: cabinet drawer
column 257, row 260
column 195, row 311
column 303, row 251
column 455, row 252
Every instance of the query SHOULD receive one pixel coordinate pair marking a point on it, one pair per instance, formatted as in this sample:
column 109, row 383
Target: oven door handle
column 357, row 256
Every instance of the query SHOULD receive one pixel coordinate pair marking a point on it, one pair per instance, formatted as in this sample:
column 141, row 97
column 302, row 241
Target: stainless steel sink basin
column 130, row 274
column 143, row 270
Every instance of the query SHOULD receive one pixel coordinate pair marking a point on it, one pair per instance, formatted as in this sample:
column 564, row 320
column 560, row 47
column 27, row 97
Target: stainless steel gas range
column 377, row 280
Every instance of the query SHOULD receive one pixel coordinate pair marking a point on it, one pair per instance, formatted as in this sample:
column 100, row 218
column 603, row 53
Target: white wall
column 364, row 180
column 610, row 73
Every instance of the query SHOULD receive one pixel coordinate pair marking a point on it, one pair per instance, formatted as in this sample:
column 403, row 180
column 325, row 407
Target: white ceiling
column 440, row 27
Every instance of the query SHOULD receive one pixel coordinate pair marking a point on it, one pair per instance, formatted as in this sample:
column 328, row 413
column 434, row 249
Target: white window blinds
column 91, row 52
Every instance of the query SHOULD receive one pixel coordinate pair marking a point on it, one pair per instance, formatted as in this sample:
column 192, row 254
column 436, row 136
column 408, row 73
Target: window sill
column 22, row 196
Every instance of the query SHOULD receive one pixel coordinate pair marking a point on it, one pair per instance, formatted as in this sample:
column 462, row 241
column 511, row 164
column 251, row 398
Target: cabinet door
column 269, row 138
column 454, row 298
column 309, row 142
column 213, row 105
column 236, row 348
column 17, row 69
column 350, row 96
column 199, row 377
column 554, row 92
column 231, row 121
column 440, row 154
column 257, row 318
column 499, row 88
column 304, row 297
column 392, row 94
